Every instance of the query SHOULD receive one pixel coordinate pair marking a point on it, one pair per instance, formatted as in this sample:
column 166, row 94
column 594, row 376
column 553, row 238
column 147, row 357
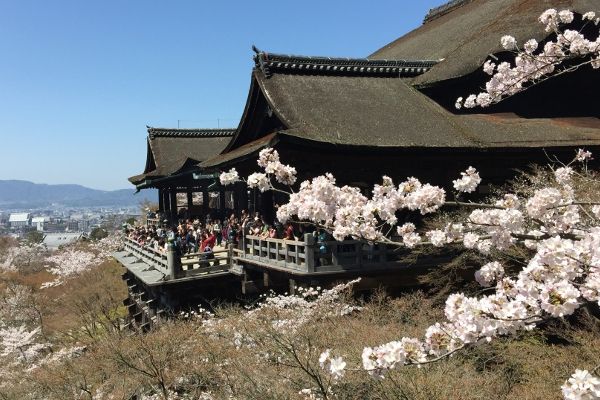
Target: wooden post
column 242, row 203
column 166, row 204
column 173, row 261
column 382, row 252
column 222, row 204
column 161, row 201
column 229, row 260
column 205, row 201
column 266, row 279
column 173, row 204
column 244, row 282
column 292, row 283
column 309, row 252
column 287, row 254
column 190, row 202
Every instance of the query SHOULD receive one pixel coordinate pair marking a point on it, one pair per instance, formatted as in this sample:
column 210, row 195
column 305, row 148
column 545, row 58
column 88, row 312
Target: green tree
column 34, row 237
column 98, row 233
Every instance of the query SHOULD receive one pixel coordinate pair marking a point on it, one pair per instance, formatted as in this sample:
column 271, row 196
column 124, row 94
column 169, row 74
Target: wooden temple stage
column 162, row 284
column 389, row 113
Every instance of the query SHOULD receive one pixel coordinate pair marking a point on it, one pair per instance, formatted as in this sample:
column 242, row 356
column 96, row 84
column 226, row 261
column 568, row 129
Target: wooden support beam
column 189, row 201
column 242, row 199
column 205, row 200
column 161, row 201
column 166, row 202
column 173, row 194
column 309, row 252
column 222, row 202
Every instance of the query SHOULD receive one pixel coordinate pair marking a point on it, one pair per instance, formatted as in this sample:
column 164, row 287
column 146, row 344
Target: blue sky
column 79, row 80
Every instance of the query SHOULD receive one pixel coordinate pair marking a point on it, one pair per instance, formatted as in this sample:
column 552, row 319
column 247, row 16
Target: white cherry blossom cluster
column 268, row 159
column 583, row 155
column 260, row 181
column 582, row 385
column 20, row 343
column 70, row 262
column 532, row 63
column 468, row 182
column 345, row 210
column 333, row 365
column 407, row 233
column 229, row 178
column 489, row 273
column 21, row 255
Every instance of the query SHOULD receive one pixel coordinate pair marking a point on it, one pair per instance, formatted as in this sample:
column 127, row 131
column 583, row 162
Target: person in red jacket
column 209, row 240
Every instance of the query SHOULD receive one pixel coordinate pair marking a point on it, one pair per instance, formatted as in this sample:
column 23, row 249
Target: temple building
column 171, row 167
column 391, row 113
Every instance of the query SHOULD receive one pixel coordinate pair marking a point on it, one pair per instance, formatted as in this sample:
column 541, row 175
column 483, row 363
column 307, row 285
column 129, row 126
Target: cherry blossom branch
column 533, row 66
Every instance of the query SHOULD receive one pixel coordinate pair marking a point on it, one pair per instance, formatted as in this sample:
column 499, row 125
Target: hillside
column 16, row 193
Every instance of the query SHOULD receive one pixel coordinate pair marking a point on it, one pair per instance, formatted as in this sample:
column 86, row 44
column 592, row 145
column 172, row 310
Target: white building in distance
column 39, row 222
column 17, row 220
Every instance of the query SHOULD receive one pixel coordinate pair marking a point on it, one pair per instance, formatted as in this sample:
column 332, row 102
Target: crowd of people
column 193, row 235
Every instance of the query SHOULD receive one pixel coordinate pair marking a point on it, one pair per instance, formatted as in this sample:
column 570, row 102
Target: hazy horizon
column 131, row 187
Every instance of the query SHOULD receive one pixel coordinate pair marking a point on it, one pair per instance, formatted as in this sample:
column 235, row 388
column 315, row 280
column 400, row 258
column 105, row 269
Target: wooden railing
column 310, row 255
column 175, row 266
column 300, row 256
column 156, row 259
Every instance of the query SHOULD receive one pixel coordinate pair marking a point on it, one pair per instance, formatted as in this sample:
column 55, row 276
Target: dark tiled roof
column 270, row 63
column 467, row 32
column 179, row 132
column 363, row 111
column 172, row 150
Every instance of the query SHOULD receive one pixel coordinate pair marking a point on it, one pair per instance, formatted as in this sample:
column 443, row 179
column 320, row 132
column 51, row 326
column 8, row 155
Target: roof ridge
column 269, row 63
column 444, row 9
column 189, row 132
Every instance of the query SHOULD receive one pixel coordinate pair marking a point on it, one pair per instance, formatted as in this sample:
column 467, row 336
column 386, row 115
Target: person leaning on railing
column 288, row 232
column 322, row 237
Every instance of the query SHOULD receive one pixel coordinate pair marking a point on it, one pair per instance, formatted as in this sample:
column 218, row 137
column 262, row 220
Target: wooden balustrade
column 175, row 266
column 311, row 255
column 300, row 256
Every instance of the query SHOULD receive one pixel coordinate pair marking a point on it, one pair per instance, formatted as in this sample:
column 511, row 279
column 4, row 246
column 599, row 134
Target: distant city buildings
column 60, row 224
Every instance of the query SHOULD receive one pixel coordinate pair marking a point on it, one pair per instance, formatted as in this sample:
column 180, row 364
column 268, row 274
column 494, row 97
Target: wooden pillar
column 309, row 252
column 166, row 203
column 266, row 206
column 189, row 202
column 205, row 200
column 253, row 200
column 173, row 204
column 161, row 201
column 222, row 214
column 242, row 200
column 173, row 262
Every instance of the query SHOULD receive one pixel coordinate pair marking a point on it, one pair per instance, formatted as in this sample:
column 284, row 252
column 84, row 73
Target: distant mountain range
column 24, row 194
